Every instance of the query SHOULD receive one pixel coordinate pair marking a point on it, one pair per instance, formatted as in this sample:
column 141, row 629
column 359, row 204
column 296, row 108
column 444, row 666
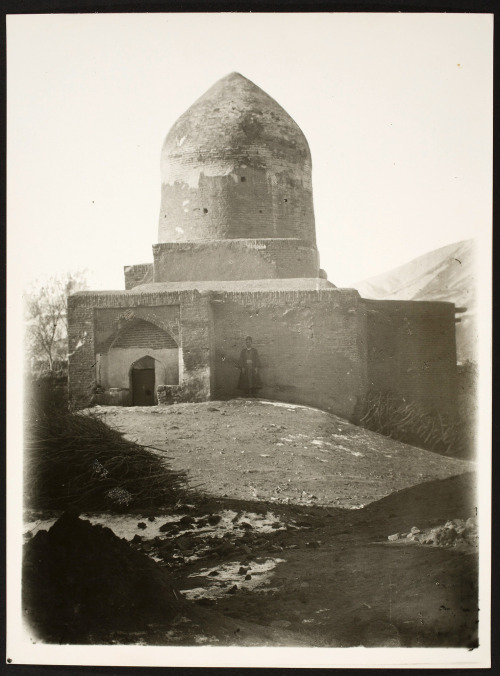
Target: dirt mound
column 427, row 504
column 269, row 451
column 80, row 579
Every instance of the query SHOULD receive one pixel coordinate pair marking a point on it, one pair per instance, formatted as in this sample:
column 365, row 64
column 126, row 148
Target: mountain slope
column 445, row 274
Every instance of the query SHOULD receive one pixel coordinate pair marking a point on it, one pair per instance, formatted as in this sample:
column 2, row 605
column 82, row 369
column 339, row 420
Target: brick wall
column 310, row 344
column 234, row 260
column 323, row 348
column 412, row 351
column 81, row 355
column 95, row 318
column 138, row 274
column 236, row 165
column 241, row 203
column 144, row 334
column 110, row 321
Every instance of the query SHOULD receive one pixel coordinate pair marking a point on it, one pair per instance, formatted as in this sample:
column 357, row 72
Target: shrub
column 411, row 423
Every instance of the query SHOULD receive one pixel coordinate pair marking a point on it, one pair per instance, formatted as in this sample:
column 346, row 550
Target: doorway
column 143, row 382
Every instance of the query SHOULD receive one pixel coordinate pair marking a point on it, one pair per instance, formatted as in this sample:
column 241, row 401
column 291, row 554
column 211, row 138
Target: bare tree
column 46, row 308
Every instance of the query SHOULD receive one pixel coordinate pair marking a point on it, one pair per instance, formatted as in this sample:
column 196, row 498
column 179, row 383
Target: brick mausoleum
column 237, row 256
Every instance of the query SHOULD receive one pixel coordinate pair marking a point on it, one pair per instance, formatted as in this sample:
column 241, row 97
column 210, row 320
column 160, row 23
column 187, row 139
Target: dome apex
column 236, row 110
column 236, row 134
column 235, row 74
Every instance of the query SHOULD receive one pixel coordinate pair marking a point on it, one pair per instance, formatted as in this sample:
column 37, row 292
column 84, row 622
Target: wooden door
column 143, row 387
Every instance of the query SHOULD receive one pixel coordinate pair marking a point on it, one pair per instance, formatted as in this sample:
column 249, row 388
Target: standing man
column 249, row 366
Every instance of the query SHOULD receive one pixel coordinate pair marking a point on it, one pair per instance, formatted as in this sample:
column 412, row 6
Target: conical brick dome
column 236, row 166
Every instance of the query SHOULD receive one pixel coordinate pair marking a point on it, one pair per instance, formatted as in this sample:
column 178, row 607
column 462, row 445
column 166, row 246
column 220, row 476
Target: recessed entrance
column 143, row 382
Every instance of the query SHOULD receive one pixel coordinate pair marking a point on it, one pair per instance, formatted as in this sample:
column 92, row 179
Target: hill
column 445, row 274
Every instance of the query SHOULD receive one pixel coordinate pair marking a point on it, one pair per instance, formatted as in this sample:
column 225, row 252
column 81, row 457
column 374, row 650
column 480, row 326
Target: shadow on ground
column 333, row 578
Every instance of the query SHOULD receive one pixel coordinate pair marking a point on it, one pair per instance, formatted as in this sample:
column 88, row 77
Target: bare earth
column 263, row 450
column 336, row 492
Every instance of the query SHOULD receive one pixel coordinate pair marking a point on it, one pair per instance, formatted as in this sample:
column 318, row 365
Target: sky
column 397, row 110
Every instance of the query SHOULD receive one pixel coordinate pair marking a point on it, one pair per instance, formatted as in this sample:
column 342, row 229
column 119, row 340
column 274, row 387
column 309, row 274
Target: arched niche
column 141, row 346
column 140, row 333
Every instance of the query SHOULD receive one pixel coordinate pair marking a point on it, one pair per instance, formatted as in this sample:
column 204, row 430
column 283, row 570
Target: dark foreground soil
column 343, row 583
column 335, row 579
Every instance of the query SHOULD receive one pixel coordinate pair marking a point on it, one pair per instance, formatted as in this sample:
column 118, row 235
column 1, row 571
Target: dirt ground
column 268, row 451
column 285, row 540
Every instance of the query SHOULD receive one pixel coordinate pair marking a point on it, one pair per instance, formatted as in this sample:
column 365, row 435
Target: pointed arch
column 140, row 358
column 141, row 333
column 142, row 377
column 143, row 363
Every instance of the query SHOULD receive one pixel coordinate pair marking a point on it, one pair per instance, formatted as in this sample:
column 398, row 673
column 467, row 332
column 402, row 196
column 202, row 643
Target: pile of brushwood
column 75, row 459
column 411, row 423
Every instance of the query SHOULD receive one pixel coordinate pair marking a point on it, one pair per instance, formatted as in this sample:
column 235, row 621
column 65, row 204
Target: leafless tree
column 46, row 308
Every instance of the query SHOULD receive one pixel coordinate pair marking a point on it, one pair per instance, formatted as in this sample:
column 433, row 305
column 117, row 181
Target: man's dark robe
column 249, row 377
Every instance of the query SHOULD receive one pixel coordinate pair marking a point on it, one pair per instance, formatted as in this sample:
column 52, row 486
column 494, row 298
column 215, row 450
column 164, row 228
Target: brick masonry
column 144, row 334
column 236, row 165
column 138, row 274
column 235, row 259
column 237, row 256
column 310, row 344
column 112, row 321
column 324, row 348
column 96, row 319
